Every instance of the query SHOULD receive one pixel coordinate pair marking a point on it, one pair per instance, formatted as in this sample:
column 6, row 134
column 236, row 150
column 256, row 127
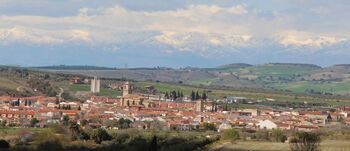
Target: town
column 147, row 111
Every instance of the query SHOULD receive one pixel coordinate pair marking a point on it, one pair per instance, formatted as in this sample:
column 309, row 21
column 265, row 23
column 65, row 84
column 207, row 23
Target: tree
column 75, row 130
column 3, row 123
column 4, row 144
column 18, row 102
column 65, row 120
column 209, row 126
column 123, row 123
column 305, row 141
column 226, row 107
column 83, row 122
column 83, row 135
column 166, row 95
column 33, row 122
column 230, row 134
column 79, row 108
column 204, row 96
column 100, row 135
column 197, row 97
column 193, row 96
column 66, row 96
column 173, row 94
column 278, row 135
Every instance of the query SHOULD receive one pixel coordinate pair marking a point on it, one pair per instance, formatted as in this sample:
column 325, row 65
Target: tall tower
column 95, row 85
column 199, row 106
column 127, row 89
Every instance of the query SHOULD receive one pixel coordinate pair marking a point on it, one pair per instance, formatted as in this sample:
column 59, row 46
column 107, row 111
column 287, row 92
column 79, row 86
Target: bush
column 209, row 126
column 4, row 144
column 100, row 135
column 278, row 135
column 230, row 134
column 305, row 141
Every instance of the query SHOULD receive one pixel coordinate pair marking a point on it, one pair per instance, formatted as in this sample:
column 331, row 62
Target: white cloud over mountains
column 206, row 29
column 302, row 39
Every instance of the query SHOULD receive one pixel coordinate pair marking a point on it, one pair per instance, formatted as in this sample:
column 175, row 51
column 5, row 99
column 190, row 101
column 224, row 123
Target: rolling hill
column 301, row 78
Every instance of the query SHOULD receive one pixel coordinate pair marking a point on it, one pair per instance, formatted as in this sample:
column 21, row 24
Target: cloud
column 302, row 39
column 18, row 34
column 81, row 35
column 208, row 29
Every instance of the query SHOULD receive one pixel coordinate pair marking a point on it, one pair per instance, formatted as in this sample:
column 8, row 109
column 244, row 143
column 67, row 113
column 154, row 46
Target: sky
column 173, row 33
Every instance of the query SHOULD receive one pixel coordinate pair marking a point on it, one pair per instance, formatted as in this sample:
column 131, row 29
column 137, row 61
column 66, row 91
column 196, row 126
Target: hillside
column 64, row 67
column 301, row 78
column 19, row 81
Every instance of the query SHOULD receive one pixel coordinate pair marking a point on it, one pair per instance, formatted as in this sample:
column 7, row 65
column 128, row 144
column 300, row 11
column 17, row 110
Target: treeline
column 68, row 67
column 43, row 85
column 174, row 95
column 194, row 95
column 58, row 138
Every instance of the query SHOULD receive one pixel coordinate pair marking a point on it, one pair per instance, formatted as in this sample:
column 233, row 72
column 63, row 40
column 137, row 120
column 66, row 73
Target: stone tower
column 95, row 85
column 127, row 88
column 199, row 106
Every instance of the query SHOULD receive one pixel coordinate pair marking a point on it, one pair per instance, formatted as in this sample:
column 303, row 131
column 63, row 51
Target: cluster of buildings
column 147, row 112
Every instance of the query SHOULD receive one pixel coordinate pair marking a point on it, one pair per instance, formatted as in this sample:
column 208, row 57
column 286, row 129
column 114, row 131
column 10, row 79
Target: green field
column 217, row 93
column 328, row 145
column 206, row 82
column 339, row 87
column 86, row 87
column 280, row 69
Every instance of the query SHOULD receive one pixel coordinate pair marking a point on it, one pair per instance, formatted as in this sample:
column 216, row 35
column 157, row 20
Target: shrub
column 209, row 126
column 230, row 134
column 305, row 141
column 100, row 135
column 278, row 135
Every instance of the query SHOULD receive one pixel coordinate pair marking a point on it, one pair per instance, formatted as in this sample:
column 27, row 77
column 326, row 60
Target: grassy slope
column 216, row 93
column 284, row 71
column 86, row 87
column 342, row 87
column 280, row 69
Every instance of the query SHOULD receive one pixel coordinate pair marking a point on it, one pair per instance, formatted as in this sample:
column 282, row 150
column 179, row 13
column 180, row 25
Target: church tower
column 127, row 88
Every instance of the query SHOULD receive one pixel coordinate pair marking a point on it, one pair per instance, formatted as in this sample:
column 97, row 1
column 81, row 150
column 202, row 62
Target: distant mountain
column 235, row 65
column 296, row 64
column 72, row 67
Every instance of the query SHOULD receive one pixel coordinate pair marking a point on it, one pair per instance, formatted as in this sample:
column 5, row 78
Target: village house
column 267, row 124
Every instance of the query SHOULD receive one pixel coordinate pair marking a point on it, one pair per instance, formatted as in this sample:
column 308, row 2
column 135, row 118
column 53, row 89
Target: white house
column 224, row 126
column 266, row 124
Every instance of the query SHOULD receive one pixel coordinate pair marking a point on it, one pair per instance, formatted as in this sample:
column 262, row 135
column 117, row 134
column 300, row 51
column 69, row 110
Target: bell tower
column 127, row 88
